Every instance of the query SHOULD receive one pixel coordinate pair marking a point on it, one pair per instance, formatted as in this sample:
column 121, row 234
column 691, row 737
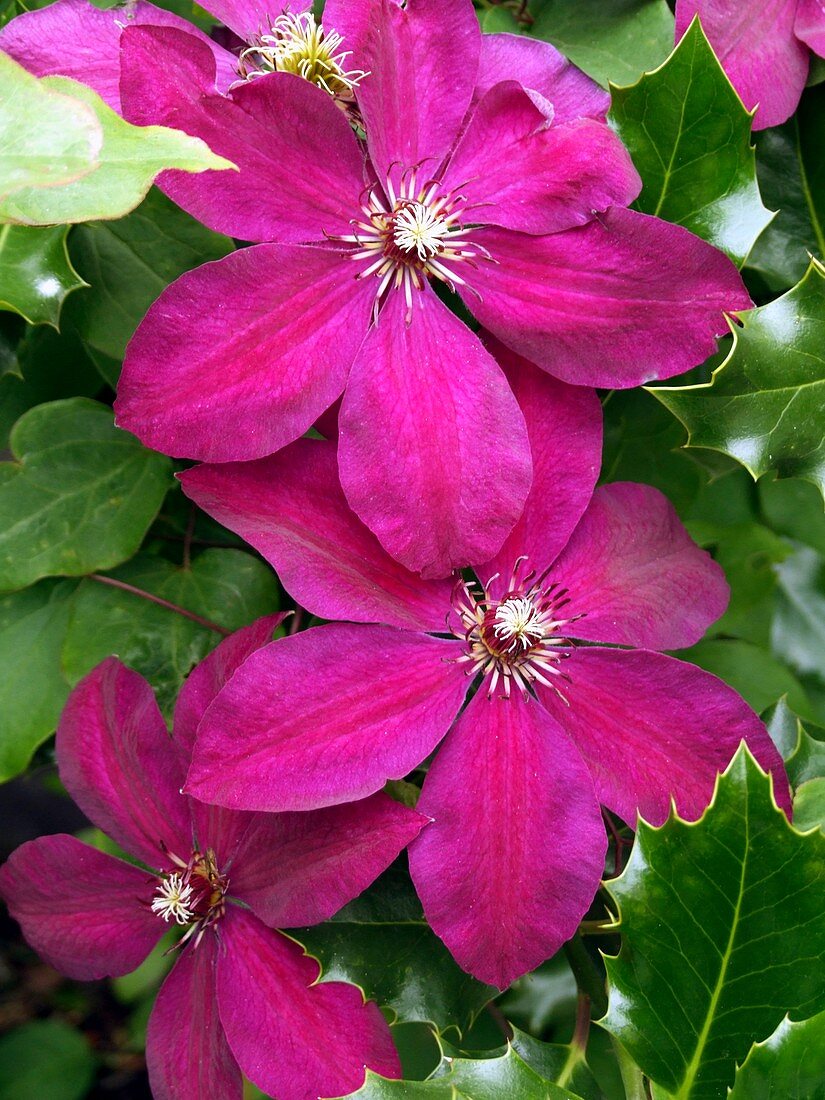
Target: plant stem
column 199, row 619
column 632, row 1079
column 588, row 979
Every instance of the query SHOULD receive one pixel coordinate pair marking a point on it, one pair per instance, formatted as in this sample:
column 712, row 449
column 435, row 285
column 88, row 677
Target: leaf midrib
column 701, row 1042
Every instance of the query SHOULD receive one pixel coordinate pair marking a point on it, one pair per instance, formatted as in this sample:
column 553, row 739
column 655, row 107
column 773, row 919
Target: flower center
column 193, row 895
column 519, row 638
column 416, row 233
column 297, row 44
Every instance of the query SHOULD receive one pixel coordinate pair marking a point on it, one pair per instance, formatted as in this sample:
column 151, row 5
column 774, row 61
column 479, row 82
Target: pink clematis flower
column 240, row 993
column 763, row 47
column 76, row 39
column 515, row 850
column 471, row 182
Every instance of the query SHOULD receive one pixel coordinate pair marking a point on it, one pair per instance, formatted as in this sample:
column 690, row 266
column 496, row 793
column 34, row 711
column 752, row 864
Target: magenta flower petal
column 291, row 508
column 326, row 716
column 187, row 1054
column 322, row 859
column 80, row 908
column 207, row 678
column 248, row 17
column 277, row 329
column 541, row 68
column 300, row 169
column 516, row 850
column 527, row 175
column 115, row 760
column 650, row 726
column 636, row 574
column 564, row 424
column 76, row 39
column 756, row 45
column 618, row 302
column 293, row 1039
column 422, row 60
column 432, row 447
column 809, row 25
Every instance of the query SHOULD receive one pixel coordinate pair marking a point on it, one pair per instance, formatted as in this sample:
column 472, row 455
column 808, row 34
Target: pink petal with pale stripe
column 326, row 716
column 292, row 509
column 85, row 912
column 516, row 849
column 652, row 728
column 292, row 1038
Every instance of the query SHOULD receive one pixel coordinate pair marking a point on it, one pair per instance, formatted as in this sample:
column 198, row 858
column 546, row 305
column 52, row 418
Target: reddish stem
column 199, row 619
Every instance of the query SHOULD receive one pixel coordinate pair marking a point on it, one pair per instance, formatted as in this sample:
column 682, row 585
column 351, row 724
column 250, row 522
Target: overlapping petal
column 755, row 42
column 540, row 67
column 300, row 171
column 651, row 728
column 249, row 17
column 422, row 58
column 809, row 24
column 564, row 425
column 187, row 1054
column 518, row 171
column 432, row 447
column 116, row 761
column 76, row 39
column 326, row 716
column 277, row 328
column 618, row 302
column 80, row 908
column 293, row 1039
column 516, row 849
column 636, row 575
column 292, row 509
column 297, row 869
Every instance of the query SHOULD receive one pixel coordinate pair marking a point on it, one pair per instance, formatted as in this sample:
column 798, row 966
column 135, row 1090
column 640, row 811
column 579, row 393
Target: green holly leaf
column 127, row 263
column 382, row 943
column 130, row 159
column 78, row 496
column 809, row 805
column 36, row 273
column 790, row 1065
column 722, row 936
column 225, row 588
column 493, row 1076
column 689, row 136
column 613, row 42
column 793, row 507
column 33, row 689
column 791, row 171
column 48, row 138
column 798, row 632
column 763, row 406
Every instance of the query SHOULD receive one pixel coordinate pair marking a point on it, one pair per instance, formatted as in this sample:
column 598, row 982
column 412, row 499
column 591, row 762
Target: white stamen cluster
column 172, row 900
column 411, row 233
column 297, row 44
column 517, row 639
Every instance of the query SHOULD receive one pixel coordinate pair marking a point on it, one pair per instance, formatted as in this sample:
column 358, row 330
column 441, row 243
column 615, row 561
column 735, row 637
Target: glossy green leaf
column 791, row 171
column 382, row 943
column 689, row 136
column 803, row 754
column 128, row 263
column 48, row 138
column 79, row 495
column 809, row 805
column 130, row 159
column 613, row 42
column 36, row 273
column 46, row 1060
column 721, row 936
column 759, row 677
column 790, row 1065
column 229, row 588
column 798, row 634
column 764, row 404
column 33, row 689
column 494, row 1076
column 793, row 507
